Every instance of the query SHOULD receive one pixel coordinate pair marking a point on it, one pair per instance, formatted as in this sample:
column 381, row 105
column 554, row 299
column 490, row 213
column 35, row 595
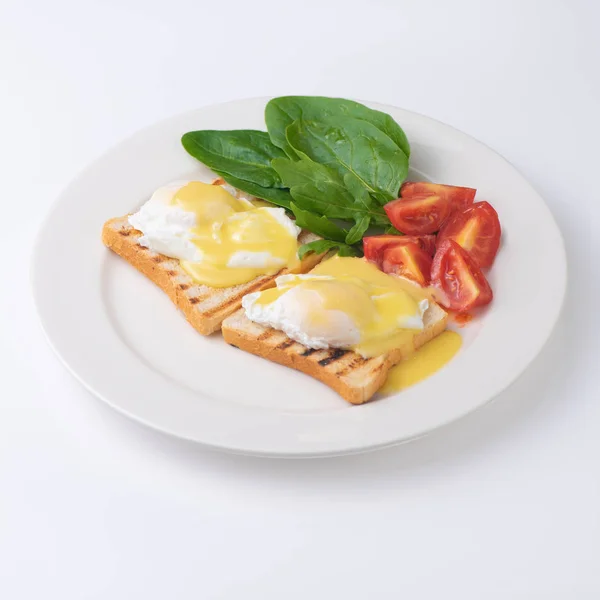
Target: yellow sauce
column 384, row 309
column 227, row 226
column 423, row 363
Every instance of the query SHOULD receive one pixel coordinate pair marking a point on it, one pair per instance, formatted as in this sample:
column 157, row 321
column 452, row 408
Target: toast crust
column 353, row 377
column 204, row 307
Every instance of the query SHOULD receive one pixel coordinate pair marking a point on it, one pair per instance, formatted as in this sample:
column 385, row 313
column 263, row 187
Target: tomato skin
column 408, row 260
column 462, row 319
column 477, row 229
column 374, row 245
column 456, row 274
column 459, row 197
column 418, row 215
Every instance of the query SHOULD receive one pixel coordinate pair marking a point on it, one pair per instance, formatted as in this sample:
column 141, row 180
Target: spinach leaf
column 391, row 230
column 349, row 145
column 278, row 196
column 245, row 154
column 320, row 225
column 319, row 246
column 358, row 230
column 318, row 189
column 281, row 112
column 358, row 191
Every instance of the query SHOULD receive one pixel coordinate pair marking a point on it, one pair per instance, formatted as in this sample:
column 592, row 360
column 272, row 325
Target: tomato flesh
column 459, row 197
column 408, row 260
column 459, row 277
column 374, row 245
column 418, row 215
column 477, row 230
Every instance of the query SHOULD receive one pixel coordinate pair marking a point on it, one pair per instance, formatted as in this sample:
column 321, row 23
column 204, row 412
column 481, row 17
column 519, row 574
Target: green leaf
column 358, row 230
column 320, row 246
column 245, row 154
column 356, row 147
column 358, row 191
column 393, row 231
column 281, row 112
column 278, row 196
column 318, row 189
column 320, row 225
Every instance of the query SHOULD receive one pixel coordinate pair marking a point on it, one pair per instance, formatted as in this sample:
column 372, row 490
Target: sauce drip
column 426, row 361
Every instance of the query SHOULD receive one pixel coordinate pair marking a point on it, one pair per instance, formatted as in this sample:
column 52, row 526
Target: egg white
column 166, row 228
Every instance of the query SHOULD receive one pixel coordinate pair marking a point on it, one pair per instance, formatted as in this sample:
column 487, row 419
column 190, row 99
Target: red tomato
column 418, row 215
column 459, row 277
column 374, row 245
column 477, row 229
column 461, row 319
column 425, row 242
column 408, row 260
column 458, row 197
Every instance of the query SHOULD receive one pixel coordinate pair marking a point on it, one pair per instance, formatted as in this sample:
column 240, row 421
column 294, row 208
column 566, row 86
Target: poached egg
column 221, row 238
column 342, row 303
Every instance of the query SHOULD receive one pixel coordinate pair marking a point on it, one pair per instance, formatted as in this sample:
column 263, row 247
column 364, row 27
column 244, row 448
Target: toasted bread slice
column 204, row 307
column 355, row 378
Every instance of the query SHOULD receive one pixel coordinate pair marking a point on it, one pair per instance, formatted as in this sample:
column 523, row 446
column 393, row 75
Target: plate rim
column 34, row 283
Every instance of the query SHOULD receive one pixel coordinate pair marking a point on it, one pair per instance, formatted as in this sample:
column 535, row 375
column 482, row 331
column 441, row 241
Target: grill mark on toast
column 236, row 298
column 158, row 258
column 124, row 232
column 194, row 300
column 334, row 355
column 184, row 286
column 198, row 296
column 264, row 335
column 285, row 344
column 309, row 351
column 171, row 273
column 355, row 363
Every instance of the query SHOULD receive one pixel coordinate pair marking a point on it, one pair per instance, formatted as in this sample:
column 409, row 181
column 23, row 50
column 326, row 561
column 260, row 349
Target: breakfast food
column 206, row 248
column 254, row 253
column 345, row 323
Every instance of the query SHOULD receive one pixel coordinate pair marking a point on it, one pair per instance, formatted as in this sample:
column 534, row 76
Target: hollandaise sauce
column 237, row 240
column 349, row 302
column 424, row 362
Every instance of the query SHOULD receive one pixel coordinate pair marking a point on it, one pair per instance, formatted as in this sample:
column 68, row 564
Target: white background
column 504, row 504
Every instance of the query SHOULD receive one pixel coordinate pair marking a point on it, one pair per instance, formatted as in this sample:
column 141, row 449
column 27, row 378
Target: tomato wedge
column 408, row 260
column 477, row 229
column 374, row 245
column 425, row 242
column 459, row 197
column 455, row 273
column 418, row 215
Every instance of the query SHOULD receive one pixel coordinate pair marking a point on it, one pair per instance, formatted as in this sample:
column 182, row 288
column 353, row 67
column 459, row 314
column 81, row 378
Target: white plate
column 124, row 340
